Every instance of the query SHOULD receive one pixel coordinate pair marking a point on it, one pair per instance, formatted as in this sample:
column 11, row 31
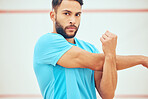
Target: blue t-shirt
column 55, row 81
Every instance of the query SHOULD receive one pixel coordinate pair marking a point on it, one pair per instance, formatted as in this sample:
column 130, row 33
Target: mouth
column 71, row 28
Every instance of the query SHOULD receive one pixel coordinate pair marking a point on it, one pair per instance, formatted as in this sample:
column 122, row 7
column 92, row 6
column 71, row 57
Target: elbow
column 111, row 96
column 108, row 96
column 97, row 67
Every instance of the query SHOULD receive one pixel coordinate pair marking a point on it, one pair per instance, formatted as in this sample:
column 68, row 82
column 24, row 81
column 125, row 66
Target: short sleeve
column 49, row 48
column 96, row 50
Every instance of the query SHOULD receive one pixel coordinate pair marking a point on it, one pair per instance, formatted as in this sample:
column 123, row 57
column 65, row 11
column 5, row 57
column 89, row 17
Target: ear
column 52, row 15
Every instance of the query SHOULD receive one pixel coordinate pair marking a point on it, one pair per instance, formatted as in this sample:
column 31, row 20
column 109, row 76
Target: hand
column 145, row 61
column 109, row 42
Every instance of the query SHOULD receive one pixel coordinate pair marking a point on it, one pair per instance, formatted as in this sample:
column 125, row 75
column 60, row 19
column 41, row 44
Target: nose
column 72, row 20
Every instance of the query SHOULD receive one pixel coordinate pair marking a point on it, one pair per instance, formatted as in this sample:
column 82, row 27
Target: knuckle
column 105, row 41
column 116, row 36
column 101, row 39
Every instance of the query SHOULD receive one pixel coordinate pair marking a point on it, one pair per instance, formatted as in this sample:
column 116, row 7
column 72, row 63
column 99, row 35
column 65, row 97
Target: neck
column 71, row 40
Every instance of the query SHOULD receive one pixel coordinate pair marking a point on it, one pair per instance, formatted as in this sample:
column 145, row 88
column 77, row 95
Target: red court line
column 131, row 96
column 24, row 11
column 85, row 11
column 113, row 10
column 20, row 96
column 39, row 96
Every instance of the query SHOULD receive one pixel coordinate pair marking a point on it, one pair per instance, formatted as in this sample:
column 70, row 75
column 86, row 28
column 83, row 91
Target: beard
column 61, row 30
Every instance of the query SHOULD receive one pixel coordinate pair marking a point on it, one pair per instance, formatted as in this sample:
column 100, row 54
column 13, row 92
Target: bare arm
column 79, row 58
column 110, row 73
column 107, row 85
column 108, row 82
column 124, row 62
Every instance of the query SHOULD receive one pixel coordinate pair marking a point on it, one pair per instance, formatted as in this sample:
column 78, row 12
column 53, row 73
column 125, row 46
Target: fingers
column 107, row 35
column 110, row 35
column 109, row 42
column 104, row 36
column 102, row 39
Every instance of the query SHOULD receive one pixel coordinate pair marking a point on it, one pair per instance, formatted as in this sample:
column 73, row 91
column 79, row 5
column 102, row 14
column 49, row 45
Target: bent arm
column 107, row 85
column 124, row 62
column 79, row 58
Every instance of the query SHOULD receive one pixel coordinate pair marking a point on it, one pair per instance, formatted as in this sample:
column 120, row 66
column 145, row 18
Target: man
column 69, row 68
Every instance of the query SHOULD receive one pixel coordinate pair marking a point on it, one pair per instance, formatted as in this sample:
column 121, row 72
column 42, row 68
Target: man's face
column 67, row 19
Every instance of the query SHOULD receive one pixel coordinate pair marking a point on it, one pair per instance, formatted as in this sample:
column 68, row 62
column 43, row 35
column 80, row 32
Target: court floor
column 97, row 98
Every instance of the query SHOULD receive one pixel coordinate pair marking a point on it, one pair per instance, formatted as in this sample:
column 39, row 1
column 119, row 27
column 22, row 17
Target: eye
column 78, row 14
column 66, row 13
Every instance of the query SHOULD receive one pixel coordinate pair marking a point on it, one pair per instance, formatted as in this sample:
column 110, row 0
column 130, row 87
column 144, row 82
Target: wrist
column 112, row 54
column 111, row 59
column 142, row 60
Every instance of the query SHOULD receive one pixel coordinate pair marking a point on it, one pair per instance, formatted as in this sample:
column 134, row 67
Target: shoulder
column 51, row 41
column 84, row 42
column 87, row 46
column 50, row 37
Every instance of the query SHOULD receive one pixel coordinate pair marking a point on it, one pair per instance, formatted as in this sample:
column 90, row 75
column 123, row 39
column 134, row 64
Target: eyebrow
column 70, row 11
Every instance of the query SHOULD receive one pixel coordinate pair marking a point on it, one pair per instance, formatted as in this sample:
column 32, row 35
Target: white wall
column 20, row 31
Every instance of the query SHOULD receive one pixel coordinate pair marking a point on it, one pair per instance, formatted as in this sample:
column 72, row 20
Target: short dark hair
column 56, row 3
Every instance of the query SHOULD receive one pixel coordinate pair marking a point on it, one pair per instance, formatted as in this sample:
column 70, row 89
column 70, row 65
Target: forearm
column 109, row 78
column 79, row 58
column 123, row 62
